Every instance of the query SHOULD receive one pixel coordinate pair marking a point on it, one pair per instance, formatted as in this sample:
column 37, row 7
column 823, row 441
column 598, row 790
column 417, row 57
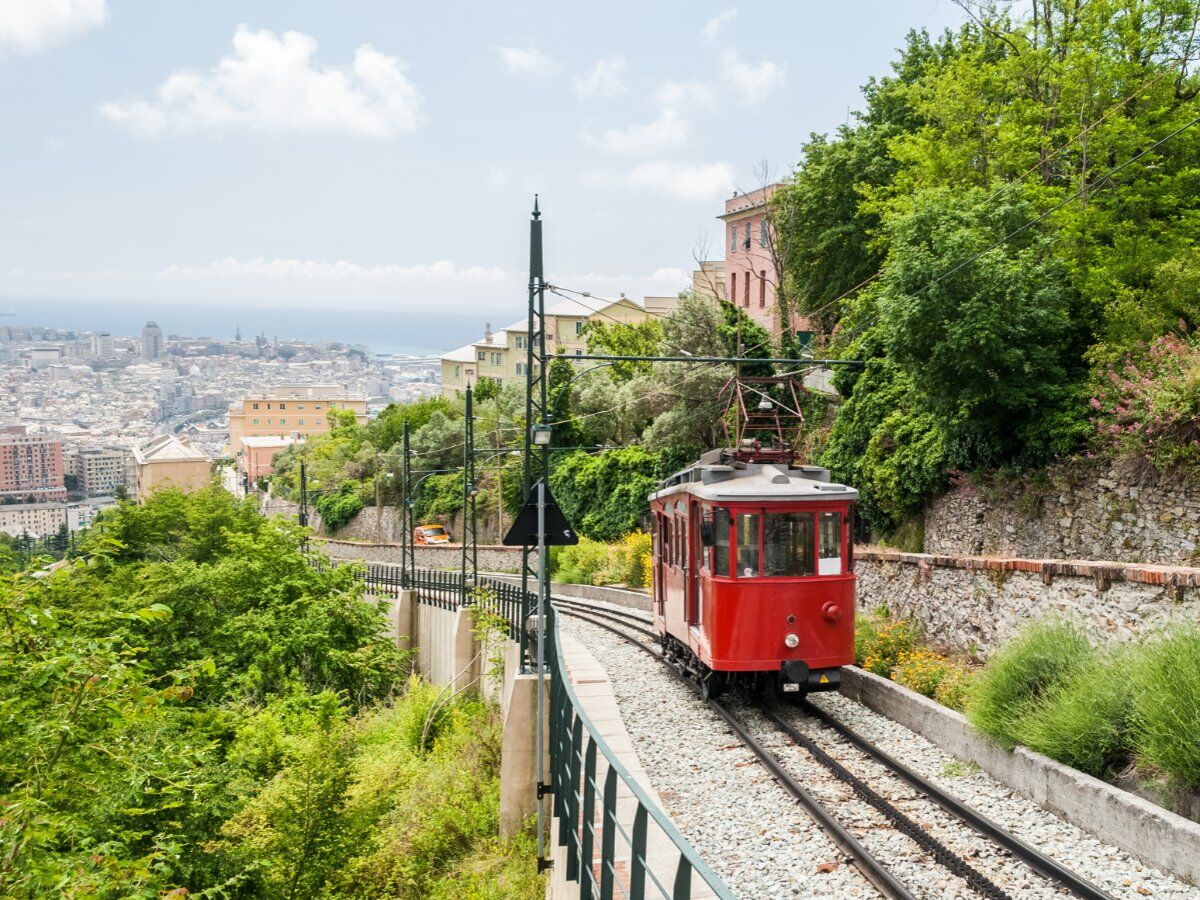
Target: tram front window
column 720, row 547
column 789, row 544
column 747, row 545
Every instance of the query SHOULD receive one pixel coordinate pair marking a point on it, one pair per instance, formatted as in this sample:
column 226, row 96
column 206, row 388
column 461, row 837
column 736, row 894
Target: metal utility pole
column 378, row 505
column 470, row 543
column 534, row 571
column 303, row 494
column 408, row 564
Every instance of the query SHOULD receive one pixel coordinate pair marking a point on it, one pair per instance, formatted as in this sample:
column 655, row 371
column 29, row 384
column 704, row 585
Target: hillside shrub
column 626, row 562
column 1083, row 721
column 954, row 688
column 1166, row 706
column 339, row 507
column 1037, row 661
column 1149, row 408
column 921, row 670
column 879, row 644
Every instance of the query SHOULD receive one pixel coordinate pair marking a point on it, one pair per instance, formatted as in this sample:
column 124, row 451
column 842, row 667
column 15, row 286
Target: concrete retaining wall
column 1151, row 833
column 973, row 604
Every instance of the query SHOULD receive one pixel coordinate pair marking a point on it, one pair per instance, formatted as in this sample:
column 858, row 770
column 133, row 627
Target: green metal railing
column 586, row 807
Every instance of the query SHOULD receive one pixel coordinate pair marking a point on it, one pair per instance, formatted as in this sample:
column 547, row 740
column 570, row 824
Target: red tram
column 754, row 573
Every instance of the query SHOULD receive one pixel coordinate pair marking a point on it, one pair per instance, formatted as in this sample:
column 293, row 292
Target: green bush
column 1039, row 659
column 952, row 691
column 1083, row 721
column 1166, row 706
column 879, row 644
column 593, row 562
column 339, row 507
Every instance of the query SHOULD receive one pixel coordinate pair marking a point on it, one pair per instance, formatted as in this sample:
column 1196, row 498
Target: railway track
column 634, row 628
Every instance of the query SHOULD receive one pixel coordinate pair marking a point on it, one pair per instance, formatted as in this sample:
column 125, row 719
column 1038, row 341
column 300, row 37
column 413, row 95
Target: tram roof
column 716, row 478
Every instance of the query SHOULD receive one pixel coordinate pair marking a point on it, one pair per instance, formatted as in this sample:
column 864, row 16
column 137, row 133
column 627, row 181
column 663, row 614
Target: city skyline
column 305, row 157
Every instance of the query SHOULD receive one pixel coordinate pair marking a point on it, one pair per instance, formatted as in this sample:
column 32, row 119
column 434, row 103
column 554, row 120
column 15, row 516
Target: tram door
column 693, row 564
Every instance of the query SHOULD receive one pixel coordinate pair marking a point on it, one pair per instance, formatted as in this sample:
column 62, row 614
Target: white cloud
column 442, row 272
column 31, row 26
column 752, row 81
column 270, row 82
column 605, row 79
column 686, row 93
column 669, row 130
column 527, row 60
column 712, row 28
column 683, row 181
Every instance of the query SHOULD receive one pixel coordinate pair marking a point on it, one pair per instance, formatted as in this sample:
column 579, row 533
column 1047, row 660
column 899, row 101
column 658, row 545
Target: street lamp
column 540, row 435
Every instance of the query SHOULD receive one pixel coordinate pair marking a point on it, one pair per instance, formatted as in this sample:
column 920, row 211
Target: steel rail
column 1048, row 868
column 870, row 867
column 943, row 855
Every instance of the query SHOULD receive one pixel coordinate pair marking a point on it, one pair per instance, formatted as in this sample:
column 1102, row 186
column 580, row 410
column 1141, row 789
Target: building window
column 762, row 288
column 733, row 288
column 579, row 353
column 578, row 329
column 256, row 421
column 301, row 421
column 482, row 355
column 746, row 289
column 268, row 421
column 733, row 237
column 299, row 406
column 762, row 232
column 520, row 342
column 520, row 368
column 318, row 406
column 255, row 405
column 283, row 421
column 283, row 406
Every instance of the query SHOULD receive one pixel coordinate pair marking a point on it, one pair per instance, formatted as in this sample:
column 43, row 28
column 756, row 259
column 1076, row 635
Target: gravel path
column 763, row 843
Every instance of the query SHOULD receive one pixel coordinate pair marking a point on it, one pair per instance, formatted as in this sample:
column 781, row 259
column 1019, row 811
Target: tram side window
column 665, row 541
column 720, row 548
column 747, row 545
column 831, row 544
column 789, row 544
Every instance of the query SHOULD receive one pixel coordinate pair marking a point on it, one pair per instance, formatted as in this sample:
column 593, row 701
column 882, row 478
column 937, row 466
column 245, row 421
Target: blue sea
column 400, row 332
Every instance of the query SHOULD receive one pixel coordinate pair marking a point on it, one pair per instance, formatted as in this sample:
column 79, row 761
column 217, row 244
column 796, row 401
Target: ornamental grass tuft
column 1166, row 706
column 1039, row 659
column 1083, row 721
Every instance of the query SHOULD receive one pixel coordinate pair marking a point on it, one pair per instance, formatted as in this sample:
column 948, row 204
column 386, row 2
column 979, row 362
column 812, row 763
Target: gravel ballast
column 761, row 841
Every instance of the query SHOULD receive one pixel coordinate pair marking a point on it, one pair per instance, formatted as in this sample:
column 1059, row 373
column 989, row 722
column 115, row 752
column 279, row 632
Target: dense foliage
column 1016, row 203
column 192, row 705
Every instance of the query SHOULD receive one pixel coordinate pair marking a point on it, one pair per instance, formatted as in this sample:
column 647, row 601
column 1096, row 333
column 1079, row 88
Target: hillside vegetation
column 191, row 709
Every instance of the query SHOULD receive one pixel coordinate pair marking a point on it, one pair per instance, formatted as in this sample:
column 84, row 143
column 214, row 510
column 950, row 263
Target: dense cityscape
column 86, row 417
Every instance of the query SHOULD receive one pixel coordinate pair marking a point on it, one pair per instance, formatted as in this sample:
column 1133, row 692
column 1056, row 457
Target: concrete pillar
column 466, row 668
column 518, row 754
column 404, row 619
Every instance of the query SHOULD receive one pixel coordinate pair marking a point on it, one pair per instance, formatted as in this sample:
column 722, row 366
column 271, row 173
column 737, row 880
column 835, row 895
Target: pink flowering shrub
column 1149, row 408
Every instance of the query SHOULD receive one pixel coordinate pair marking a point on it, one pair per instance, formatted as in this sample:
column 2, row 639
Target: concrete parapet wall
column 1149, row 832
column 973, row 604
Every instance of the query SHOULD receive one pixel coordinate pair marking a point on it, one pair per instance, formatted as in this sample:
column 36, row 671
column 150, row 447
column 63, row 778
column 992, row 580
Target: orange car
column 430, row 534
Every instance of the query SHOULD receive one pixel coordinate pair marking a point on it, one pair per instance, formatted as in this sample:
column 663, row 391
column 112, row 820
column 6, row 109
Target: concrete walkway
column 591, row 685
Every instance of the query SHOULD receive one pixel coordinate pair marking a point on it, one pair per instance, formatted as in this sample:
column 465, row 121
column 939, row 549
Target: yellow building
column 290, row 410
column 169, row 462
column 501, row 356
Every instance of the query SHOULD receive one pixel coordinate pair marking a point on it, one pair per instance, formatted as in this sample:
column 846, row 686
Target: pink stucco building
column 31, row 465
column 750, row 270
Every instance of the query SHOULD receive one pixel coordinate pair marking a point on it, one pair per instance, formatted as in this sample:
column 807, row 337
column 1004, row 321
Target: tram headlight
column 792, row 641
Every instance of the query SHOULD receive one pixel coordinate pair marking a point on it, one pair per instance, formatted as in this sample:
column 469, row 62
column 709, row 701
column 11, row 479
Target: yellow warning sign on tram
column 824, row 679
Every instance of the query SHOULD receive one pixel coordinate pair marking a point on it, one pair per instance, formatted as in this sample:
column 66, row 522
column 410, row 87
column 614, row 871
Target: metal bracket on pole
column 470, row 528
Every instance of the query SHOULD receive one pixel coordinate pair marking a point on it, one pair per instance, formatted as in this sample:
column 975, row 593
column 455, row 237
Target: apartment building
column 31, row 466
column 749, row 274
column 99, row 470
column 40, row 519
column 501, row 356
column 290, row 410
column 169, row 462
column 257, row 457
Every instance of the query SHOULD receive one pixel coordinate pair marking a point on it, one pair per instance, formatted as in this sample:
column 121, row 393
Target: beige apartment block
column 290, row 411
column 501, row 356
column 169, row 462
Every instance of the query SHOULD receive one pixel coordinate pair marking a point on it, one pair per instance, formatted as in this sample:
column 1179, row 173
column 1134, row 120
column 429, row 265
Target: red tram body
column 754, row 574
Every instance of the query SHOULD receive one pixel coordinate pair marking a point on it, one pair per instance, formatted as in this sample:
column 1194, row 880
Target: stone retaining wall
column 1076, row 510
column 974, row 604
column 492, row 558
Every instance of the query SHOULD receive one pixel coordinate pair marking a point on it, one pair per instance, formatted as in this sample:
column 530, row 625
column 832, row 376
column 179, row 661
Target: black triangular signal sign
column 524, row 530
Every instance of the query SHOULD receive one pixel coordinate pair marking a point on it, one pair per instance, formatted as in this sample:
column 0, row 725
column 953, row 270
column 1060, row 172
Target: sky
column 383, row 156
